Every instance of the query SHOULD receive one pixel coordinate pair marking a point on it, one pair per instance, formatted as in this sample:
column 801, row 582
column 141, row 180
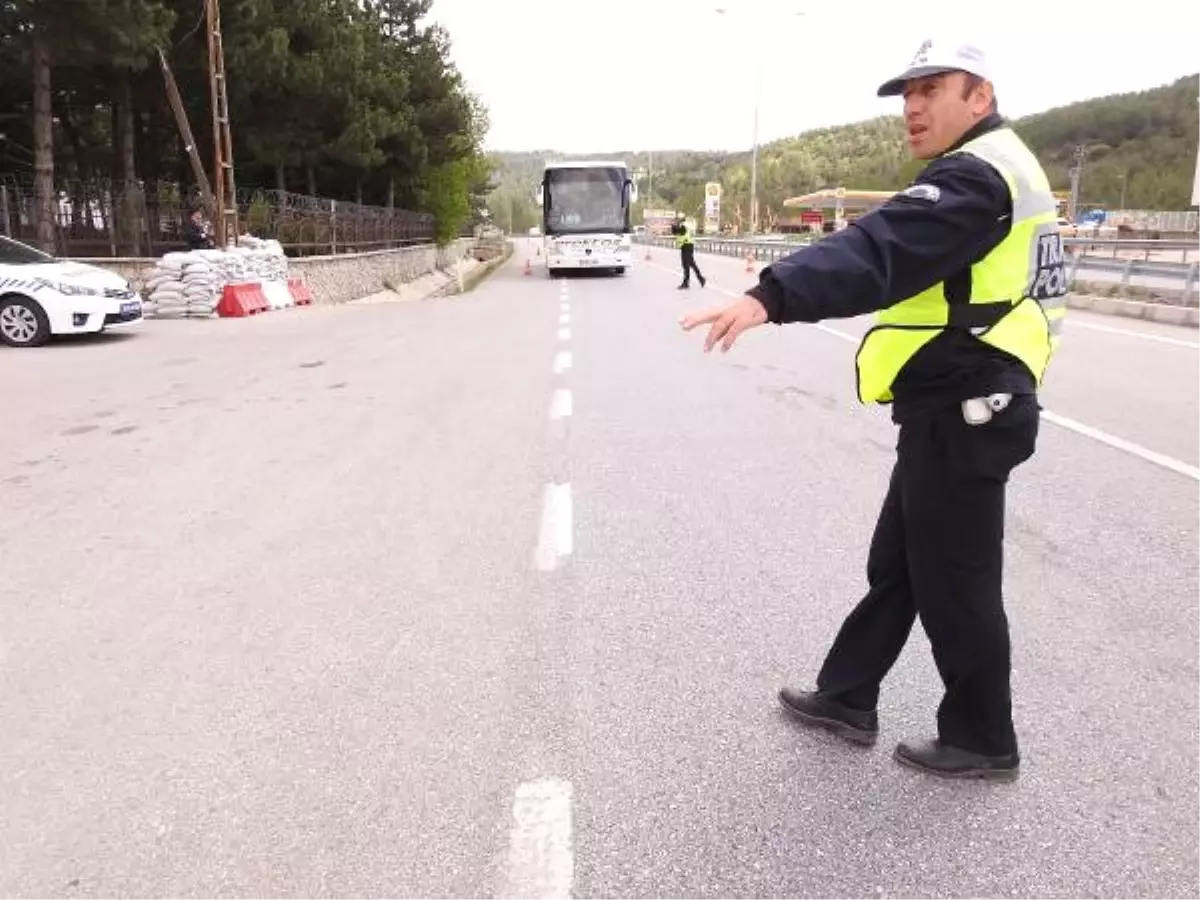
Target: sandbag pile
column 185, row 285
column 254, row 260
column 189, row 284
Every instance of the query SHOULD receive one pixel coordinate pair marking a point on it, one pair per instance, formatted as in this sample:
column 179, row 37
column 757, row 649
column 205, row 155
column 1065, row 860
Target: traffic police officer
column 965, row 271
column 687, row 252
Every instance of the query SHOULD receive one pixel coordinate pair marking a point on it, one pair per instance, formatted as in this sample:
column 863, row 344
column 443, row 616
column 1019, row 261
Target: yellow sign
column 712, row 208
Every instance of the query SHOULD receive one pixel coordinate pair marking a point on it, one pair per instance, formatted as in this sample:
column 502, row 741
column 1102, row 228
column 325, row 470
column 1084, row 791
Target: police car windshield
column 582, row 200
column 14, row 253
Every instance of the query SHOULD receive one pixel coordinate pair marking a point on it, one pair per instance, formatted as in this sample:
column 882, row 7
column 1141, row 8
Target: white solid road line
column 1080, row 428
column 556, row 534
column 821, row 326
column 564, row 334
column 541, row 859
column 1096, row 434
column 560, row 404
column 1118, row 443
column 1103, row 437
column 564, row 318
column 1127, row 332
column 562, row 361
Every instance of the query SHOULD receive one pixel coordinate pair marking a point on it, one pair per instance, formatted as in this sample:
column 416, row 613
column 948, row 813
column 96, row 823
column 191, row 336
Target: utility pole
column 225, row 186
column 754, row 157
column 1196, row 175
column 758, row 73
column 650, row 186
column 1076, row 171
column 185, row 131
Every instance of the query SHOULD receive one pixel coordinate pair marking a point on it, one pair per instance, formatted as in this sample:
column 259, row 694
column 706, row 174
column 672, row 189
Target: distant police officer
column 687, row 252
column 965, row 271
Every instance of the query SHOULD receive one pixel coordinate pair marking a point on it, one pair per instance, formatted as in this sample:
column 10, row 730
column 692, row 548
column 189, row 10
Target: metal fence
column 1151, row 220
column 96, row 219
column 1123, row 264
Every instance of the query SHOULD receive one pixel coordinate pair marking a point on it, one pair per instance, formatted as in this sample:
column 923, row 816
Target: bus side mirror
column 633, row 191
column 539, row 196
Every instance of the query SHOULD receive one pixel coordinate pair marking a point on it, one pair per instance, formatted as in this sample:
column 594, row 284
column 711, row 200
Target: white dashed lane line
column 556, row 534
column 541, row 858
column 560, row 404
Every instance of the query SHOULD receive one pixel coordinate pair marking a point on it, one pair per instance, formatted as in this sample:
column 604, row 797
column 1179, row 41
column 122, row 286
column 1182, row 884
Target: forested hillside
column 348, row 99
column 1141, row 152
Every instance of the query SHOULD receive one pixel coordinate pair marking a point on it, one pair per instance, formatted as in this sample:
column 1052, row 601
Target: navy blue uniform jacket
column 955, row 212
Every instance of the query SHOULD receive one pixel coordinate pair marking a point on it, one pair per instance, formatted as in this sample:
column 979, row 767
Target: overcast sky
column 596, row 75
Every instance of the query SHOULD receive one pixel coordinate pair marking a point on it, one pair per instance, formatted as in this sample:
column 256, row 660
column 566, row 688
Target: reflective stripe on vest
column 1018, row 291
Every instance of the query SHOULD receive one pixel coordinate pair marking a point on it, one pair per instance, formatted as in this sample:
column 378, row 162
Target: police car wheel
column 23, row 323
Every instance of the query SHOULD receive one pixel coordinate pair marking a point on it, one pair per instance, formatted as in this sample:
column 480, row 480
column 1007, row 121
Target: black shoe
column 684, row 286
column 703, row 281
column 858, row 725
column 941, row 759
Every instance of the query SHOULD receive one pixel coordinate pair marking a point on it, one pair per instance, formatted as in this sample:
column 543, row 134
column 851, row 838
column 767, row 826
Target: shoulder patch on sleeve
column 928, row 193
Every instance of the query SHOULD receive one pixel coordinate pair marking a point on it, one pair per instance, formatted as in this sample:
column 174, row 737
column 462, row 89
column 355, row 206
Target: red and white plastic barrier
column 241, row 300
column 251, row 298
column 301, row 295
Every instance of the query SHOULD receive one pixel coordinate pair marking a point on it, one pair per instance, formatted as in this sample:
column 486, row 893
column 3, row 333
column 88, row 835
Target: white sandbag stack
column 264, row 258
column 233, row 269
column 202, row 283
column 184, row 285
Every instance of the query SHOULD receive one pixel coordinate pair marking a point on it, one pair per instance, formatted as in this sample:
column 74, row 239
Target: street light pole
column 650, row 184
column 1080, row 156
column 754, row 153
column 1196, row 175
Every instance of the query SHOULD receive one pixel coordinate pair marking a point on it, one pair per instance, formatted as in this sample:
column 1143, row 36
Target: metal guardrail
column 1116, row 245
column 1185, row 275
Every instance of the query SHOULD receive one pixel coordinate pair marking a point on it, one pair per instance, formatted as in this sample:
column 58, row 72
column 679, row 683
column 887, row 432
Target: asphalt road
column 491, row 596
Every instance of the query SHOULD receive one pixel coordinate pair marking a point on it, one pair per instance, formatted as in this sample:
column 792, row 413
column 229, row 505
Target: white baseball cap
column 936, row 56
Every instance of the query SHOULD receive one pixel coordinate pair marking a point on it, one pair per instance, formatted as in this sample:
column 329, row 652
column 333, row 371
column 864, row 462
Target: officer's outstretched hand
column 728, row 322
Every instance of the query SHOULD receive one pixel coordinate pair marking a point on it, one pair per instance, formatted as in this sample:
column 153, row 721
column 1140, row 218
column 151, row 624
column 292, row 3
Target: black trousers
column 687, row 258
column 937, row 553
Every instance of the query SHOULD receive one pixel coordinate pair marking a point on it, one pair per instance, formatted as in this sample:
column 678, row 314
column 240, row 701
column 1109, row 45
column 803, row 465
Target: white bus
column 585, row 215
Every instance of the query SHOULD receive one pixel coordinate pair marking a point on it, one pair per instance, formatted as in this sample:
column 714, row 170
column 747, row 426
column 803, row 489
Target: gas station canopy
column 832, row 198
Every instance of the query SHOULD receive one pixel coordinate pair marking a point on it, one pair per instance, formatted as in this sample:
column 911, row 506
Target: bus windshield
column 586, row 200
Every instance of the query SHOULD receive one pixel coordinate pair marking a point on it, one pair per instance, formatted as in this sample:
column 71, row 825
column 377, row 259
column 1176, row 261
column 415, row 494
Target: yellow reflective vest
column 1018, row 291
column 685, row 238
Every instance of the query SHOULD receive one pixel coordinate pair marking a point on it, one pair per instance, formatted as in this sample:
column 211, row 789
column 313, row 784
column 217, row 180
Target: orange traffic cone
column 528, row 267
column 749, row 262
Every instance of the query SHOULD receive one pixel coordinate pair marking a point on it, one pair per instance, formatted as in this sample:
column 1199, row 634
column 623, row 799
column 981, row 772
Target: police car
column 43, row 297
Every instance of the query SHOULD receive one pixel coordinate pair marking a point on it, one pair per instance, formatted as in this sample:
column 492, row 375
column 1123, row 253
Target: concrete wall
column 335, row 279
column 346, row 277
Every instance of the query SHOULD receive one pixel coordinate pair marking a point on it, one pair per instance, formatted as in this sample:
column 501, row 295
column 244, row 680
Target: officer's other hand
column 728, row 322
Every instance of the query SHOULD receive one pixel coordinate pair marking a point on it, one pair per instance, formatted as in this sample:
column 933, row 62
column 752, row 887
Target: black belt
column 977, row 315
